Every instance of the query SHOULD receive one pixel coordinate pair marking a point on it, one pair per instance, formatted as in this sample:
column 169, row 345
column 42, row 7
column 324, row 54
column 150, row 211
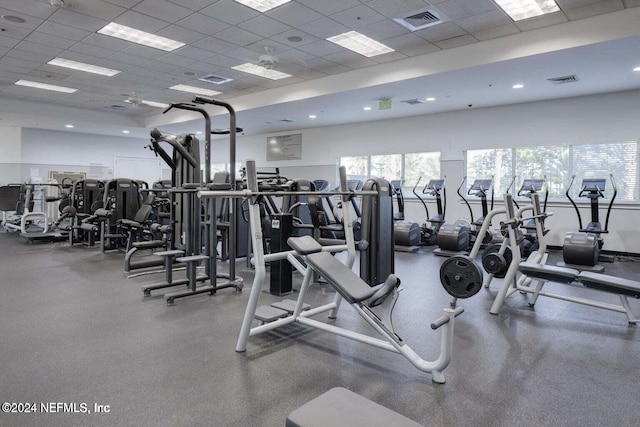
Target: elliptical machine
column 407, row 233
column 582, row 249
column 435, row 188
column 457, row 238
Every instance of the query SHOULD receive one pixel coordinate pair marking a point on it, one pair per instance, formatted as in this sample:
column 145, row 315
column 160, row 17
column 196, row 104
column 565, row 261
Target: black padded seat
column 304, row 245
column 616, row 285
column 549, row 272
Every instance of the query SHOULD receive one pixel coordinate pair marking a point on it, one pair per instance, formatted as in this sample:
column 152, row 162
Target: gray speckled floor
column 74, row 330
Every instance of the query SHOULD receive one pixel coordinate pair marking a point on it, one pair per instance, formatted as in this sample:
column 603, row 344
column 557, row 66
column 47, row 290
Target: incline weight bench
column 350, row 287
column 546, row 273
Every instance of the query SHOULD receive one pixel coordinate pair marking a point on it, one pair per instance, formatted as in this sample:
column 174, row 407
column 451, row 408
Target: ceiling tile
column 34, row 58
column 48, row 76
column 442, row 31
column 224, row 61
column 329, row 7
column 214, row 45
column 383, row 30
column 389, row 57
column 203, row 24
column 294, row 14
column 494, row 33
column 350, row 59
column 411, row 45
column 8, row 42
column 98, row 9
column 141, row 22
column 77, row 20
column 194, row 53
column 181, row 34
column 176, row 60
column 541, row 21
column 162, row 9
column 130, row 59
column 570, row 4
column 458, row 9
column 64, row 31
column 456, row 42
column 358, row 17
column 30, row 22
column 324, row 28
column 31, row 8
column 283, row 38
column 124, row 3
column 238, row 36
column 230, row 12
column 106, row 42
column 398, row 8
column 264, row 26
column 594, row 9
column 484, row 21
column 94, row 51
column 143, row 51
column 161, row 67
column 192, row 4
column 38, row 48
column 321, row 48
column 18, row 62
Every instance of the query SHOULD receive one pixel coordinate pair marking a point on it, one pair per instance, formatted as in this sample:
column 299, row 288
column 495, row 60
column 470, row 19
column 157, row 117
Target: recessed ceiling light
column 294, row 39
column 125, row 131
column 431, row 99
column 312, row 116
column 196, row 90
column 360, row 43
column 262, row 5
column 136, row 36
column 70, row 126
column 524, row 9
column 149, row 103
column 13, row 19
column 257, row 70
column 367, row 108
column 81, row 66
column 636, row 69
column 46, row 86
column 518, row 86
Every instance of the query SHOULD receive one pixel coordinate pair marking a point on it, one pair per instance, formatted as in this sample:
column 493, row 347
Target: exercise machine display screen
column 435, row 184
column 532, row 185
column 481, row 184
column 593, row 184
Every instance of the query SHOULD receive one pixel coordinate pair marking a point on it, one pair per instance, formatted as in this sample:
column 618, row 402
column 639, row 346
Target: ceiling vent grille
column 413, row 101
column 564, row 79
column 216, row 80
column 419, row 19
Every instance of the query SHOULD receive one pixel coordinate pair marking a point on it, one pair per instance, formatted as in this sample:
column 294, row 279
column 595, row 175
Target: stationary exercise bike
column 582, row 249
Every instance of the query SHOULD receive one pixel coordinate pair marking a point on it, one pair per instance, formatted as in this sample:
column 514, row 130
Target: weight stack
column 377, row 261
column 281, row 272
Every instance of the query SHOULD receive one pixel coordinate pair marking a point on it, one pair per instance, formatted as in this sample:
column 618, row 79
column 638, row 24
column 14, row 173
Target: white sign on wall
column 284, row 147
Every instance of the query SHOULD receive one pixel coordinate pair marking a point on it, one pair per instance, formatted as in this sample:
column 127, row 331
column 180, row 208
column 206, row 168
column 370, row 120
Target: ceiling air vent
column 413, row 101
column 287, row 120
column 216, row 80
column 419, row 19
column 564, row 79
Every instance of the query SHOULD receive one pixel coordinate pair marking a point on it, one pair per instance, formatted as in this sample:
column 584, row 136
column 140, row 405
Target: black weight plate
column 460, row 276
column 500, row 268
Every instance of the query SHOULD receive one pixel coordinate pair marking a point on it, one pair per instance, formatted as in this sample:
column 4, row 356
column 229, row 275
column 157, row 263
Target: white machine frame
column 390, row 340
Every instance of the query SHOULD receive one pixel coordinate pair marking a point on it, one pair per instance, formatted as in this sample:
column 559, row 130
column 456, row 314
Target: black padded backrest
column 351, row 287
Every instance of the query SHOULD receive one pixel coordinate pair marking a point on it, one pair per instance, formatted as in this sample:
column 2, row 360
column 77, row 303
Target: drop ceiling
column 473, row 58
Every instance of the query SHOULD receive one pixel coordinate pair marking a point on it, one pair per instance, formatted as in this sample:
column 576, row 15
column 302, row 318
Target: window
column 558, row 164
column 408, row 167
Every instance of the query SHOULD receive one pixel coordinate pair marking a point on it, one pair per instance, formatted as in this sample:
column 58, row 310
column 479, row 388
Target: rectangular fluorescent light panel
column 257, row 70
column 262, row 5
column 524, row 9
column 360, row 43
column 149, row 103
column 196, row 90
column 136, row 36
column 81, row 66
column 45, row 86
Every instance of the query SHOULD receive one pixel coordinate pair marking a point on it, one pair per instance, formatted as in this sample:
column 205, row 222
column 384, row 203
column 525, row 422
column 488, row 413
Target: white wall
column 591, row 119
column 46, row 150
column 10, row 154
